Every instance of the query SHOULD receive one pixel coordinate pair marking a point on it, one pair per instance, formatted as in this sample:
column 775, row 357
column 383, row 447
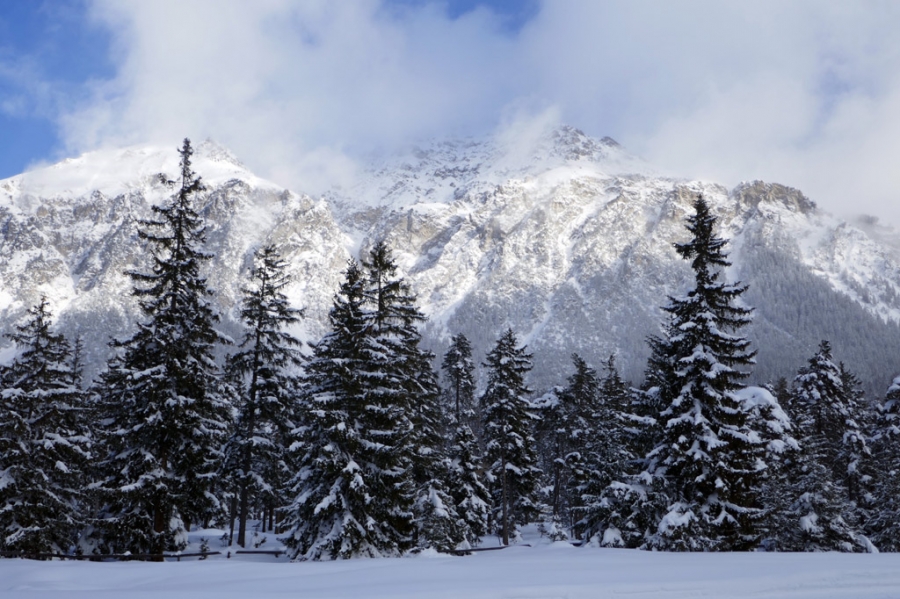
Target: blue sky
column 47, row 49
column 50, row 48
column 806, row 92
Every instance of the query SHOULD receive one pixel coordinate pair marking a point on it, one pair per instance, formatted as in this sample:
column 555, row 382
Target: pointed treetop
column 190, row 182
column 705, row 249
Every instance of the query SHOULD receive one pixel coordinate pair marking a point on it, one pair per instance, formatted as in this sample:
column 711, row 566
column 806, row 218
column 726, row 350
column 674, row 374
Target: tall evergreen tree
column 76, row 363
column 262, row 371
column 828, row 401
column 855, row 455
column 607, row 454
column 460, row 371
column 336, row 512
column 165, row 419
column 883, row 524
column 567, row 426
column 372, row 470
column 510, row 446
column 707, row 458
column 820, row 515
column 466, row 484
column 415, row 424
column 44, row 442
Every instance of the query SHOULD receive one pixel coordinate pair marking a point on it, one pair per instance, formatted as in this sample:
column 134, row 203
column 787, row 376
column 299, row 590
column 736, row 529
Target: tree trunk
column 504, row 492
column 242, row 517
column 159, row 527
column 232, row 514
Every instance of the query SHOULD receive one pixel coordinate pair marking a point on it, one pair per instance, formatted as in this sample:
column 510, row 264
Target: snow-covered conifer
column 707, row 463
column 460, row 371
column 407, row 397
column 262, row 373
column 76, row 363
column 855, row 451
column 883, row 525
column 510, row 446
column 606, row 453
column 466, row 484
column 820, row 515
column 164, row 416
column 566, row 435
column 828, row 401
column 335, row 512
column 372, row 471
column 44, row 442
column 707, row 449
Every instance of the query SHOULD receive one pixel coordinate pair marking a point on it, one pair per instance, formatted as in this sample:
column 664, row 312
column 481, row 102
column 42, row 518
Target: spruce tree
column 45, row 443
column 466, row 484
column 883, row 525
column 567, row 425
column 164, row 415
column 606, row 454
column 76, row 363
column 372, row 476
column 460, row 371
column 820, row 515
column 335, row 512
column 855, row 456
column 627, row 512
column 262, row 372
column 707, row 461
column 408, row 396
column 510, row 446
column 827, row 399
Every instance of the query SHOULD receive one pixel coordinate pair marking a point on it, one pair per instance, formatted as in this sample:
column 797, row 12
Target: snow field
column 544, row 571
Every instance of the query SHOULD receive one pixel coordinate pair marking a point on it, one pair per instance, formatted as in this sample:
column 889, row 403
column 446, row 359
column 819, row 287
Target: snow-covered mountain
column 565, row 238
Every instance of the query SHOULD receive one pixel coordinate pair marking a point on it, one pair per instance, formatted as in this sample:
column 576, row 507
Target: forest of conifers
column 363, row 444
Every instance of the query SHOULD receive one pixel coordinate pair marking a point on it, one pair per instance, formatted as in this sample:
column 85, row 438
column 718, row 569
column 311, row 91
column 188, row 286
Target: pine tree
column 45, row 443
column 416, row 422
column 470, row 495
column 510, row 445
column 775, row 429
column 566, row 428
column 707, row 460
column 460, row 370
column 372, row 471
column 165, row 418
column 255, row 454
column 827, row 399
column 820, row 515
column 607, row 455
column 466, row 484
column 855, row 452
column 335, row 510
column 883, row 525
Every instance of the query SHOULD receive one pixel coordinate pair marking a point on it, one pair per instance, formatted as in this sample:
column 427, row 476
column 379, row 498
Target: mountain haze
column 565, row 238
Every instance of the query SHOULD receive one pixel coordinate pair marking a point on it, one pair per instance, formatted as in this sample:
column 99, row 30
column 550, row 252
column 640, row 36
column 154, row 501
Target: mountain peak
column 216, row 152
column 115, row 171
column 574, row 144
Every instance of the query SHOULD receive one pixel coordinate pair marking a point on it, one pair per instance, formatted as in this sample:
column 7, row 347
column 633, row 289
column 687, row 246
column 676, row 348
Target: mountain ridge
column 563, row 237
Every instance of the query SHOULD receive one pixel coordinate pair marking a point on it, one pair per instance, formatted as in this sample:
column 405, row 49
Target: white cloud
column 806, row 93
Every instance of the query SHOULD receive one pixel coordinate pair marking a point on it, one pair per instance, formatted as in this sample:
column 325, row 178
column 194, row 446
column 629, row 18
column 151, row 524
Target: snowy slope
column 565, row 238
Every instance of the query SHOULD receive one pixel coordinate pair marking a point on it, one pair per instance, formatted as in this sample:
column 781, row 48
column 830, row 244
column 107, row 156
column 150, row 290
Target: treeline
column 357, row 447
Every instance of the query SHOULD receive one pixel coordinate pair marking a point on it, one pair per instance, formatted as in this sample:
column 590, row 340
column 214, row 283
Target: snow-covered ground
column 545, row 570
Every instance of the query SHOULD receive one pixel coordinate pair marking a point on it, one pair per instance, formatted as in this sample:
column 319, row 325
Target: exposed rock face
column 566, row 239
